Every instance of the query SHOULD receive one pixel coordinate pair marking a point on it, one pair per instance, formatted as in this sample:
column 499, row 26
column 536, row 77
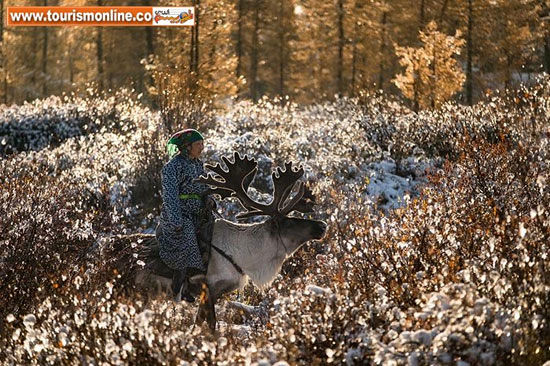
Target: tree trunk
column 2, row 23
column 434, row 77
column 192, row 45
column 547, row 53
column 5, row 82
column 45, row 58
column 544, row 14
column 71, row 66
column 99, row 50
column 239, row 44
column 212, row 52
column 443, row 10
column 469, row 50
column 508, row 76
column 196, row 27
column 254, row 53
column 341, row 42
column 416, row 102
column 193, row 50
column 44, row 68
column 149, row 49
column 3, row 57
column 281, row 50
column 149, row 36
column 422, row 13
column 33, row 63
column 353, row 67
column 382, row 51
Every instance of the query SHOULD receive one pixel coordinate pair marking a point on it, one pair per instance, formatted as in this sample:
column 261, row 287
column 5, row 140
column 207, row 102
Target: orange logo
column 178, row 19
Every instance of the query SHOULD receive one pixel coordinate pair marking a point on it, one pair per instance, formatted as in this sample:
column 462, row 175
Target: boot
column 187, row 296
column 180, row 286
column 178, row 279
column 196, row 277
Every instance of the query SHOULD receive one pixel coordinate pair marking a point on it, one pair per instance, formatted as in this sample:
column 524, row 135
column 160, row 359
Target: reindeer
column 251, row 251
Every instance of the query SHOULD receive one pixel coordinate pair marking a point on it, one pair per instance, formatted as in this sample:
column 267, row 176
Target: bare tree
column 341, row 43
column 282, row 47
column 443, row 10
column 469, row 51
column 149, row 50
column 2, row 56
column 99, row 52
column 45, row 57
column 422, row 13
column 254, row 53
column 382, row 50
column 239, row 42
column 545, row 16
column 194, row 50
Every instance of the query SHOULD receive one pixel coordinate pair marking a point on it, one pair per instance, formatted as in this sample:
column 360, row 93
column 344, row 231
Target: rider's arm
column 191, row 170
column 171, row 177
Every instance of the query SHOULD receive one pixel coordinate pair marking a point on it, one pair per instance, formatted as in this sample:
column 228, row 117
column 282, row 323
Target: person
column 183, row 201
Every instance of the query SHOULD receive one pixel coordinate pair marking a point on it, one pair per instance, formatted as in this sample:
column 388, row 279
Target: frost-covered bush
column 484, row 222
column 49, row 122
column 56, row 202
column 47, row 225
column 437, row 249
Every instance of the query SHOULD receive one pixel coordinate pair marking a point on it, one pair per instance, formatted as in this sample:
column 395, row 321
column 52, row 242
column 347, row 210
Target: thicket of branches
column 458, row 272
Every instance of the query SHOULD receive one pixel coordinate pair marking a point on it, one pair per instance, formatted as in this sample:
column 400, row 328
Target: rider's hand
column 210, row 203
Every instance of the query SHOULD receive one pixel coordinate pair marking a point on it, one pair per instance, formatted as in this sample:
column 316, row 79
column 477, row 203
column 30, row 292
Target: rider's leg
column 191, row 259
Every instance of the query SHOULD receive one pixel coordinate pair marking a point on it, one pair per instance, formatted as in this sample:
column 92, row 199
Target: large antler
column 232, row 183
column 235, row 182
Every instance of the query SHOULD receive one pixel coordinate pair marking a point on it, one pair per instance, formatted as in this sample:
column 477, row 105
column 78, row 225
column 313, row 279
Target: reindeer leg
column 211, row 314
column 204, row 298
column 208, row 297
column 216, row 290
column 201, row 315
column 207, row 312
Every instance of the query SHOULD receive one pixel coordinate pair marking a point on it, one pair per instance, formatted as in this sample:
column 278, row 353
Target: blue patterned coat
column 179, row 219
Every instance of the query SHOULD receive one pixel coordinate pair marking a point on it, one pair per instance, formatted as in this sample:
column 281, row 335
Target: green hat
column 182, row 138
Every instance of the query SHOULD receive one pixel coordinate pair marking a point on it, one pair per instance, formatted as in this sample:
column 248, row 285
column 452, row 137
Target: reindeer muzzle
column 318, row 229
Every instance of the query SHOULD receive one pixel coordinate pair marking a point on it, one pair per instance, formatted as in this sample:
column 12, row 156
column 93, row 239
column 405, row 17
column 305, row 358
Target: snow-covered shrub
column 49, row 122
column 451, row 270
column 47, row 226
column 483, row 221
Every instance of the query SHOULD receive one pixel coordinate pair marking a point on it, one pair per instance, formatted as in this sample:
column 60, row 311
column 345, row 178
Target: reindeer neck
column 253, row 247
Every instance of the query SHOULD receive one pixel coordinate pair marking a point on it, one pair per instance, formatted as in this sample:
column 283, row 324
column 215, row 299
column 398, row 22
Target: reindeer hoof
column 213, row 332
column 201, row 317
column 212, row 325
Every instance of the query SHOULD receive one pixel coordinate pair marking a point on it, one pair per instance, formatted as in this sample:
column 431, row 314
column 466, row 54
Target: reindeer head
column 234, row 182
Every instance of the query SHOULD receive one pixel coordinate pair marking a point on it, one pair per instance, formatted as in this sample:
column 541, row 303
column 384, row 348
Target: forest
column 423, row 128
column 427, row 51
